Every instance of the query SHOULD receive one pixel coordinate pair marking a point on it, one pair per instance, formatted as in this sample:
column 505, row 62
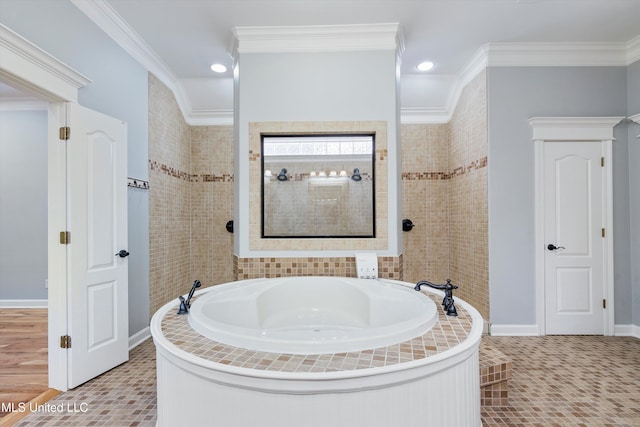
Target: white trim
column 139, row 337
column 636, row 119
column 23, row 303
column 627, row 331
column 316, row 38
column 57, row 253
column 26, row 66
column 633, row 50
column 418, row 115
column 514, row 330
column 23, row 104
column 211, row 118
column 539, row 209
column 574, row 129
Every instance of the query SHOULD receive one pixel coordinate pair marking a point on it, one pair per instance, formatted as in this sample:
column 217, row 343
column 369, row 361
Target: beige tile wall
column 425, row 202
column 444, row 183
column 211, row 203
column 468, row 212
column 169, row 198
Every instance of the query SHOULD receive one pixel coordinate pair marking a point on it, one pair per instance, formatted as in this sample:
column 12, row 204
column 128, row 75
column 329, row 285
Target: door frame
column 577, row 129
column 27, row 67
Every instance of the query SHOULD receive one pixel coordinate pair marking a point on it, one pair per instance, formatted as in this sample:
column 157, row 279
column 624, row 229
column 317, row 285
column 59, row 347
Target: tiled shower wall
column 169, row 198
column 467, row 199
column 444, row 185
column 191, row 199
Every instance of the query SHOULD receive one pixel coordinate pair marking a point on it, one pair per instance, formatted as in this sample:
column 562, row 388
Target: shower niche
column 318, row 185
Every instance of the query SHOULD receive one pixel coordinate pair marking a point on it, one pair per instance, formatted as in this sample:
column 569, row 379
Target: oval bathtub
column 317, row 315
column 428, row 378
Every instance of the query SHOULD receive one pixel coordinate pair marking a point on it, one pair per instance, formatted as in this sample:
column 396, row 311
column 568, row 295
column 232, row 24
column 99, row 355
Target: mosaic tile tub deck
column 447, row 333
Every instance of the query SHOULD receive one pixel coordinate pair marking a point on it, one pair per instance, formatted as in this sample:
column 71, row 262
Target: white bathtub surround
column 432, row 379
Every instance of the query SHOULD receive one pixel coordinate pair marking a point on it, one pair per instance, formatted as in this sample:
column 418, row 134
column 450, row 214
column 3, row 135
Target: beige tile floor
column 557, row 381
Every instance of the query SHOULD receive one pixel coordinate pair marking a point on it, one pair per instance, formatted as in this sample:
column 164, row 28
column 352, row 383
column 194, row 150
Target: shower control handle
column 123, row 254
column 553, row 247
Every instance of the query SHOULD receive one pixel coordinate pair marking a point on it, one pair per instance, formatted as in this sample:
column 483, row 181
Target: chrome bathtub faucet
column 185, row 305
column 447, row 302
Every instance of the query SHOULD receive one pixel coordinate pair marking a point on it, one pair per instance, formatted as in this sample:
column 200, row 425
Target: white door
column 573, row 237
column 97, row 220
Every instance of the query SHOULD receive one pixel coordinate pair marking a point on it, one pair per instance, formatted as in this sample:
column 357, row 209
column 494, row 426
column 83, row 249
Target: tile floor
column 557, row 381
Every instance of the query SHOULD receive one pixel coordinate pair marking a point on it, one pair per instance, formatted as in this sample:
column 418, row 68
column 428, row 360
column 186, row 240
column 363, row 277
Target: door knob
column 553, row 247
column 123, row 254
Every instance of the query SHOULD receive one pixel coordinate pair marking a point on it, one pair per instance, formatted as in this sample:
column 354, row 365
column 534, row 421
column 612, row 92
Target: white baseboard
column 513, row 330
column 24, row 303
column 532, row 330
column 626, row 331
column 139, row 337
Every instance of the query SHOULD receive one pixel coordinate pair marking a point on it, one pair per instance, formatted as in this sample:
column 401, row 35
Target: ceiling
column 184, row 37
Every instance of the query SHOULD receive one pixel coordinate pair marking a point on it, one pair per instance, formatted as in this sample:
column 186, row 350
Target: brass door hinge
column 65, row 133
column 65, row 341
column 65, row 237
column 604, row 303
column 602, row 161
column 603, row 232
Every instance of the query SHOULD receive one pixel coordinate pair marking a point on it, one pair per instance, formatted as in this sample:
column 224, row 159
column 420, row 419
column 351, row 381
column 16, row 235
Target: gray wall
column 516, row 94
column 633, row 82
column 23, row 204
column 119, row 88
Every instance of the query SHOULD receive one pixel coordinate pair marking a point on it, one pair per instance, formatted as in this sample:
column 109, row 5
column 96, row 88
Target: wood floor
column 23, row 356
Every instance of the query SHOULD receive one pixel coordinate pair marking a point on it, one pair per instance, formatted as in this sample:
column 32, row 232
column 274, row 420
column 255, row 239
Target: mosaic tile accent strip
column 445, row 334
column 175, row 173
column 461, row 170
column 253, row 268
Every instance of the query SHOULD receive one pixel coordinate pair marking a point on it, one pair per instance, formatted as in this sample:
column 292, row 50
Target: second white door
column 574, row 237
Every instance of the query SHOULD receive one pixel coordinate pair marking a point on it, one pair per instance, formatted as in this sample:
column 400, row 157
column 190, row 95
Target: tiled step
column 495, row 372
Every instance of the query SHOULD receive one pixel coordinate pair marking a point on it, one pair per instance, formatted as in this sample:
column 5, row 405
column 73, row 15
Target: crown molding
column 636, row 119
column 416, row 115
column 221, row 117
column 107, row 19
column 23, row 62
column 633, row 50
column 316, row 38
column 557, row 54
column 353, row 38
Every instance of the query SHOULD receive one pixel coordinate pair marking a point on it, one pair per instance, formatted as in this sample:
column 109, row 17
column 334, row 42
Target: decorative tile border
column 176, row 173
column 447, row 333
column 252, row 268
column 461, row 170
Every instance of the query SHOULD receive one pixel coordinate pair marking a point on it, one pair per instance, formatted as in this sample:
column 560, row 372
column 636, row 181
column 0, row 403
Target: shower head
column 282, row 176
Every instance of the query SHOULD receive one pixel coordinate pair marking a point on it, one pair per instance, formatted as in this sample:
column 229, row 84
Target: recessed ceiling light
column 218, row 68
column 425, row 66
